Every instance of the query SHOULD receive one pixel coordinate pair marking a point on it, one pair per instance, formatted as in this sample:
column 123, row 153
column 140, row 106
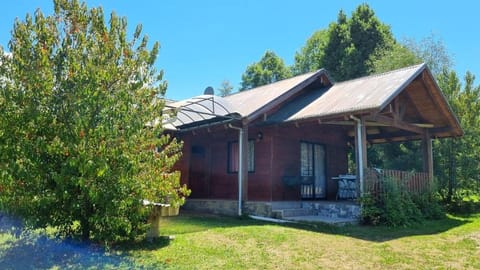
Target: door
column 312, row 171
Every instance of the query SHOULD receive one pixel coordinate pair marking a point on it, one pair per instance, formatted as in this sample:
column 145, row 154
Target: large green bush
column 396, row 206
column 76, row 152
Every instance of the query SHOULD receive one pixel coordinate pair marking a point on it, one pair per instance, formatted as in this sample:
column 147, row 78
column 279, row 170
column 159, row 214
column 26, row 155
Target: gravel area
column 33, row 251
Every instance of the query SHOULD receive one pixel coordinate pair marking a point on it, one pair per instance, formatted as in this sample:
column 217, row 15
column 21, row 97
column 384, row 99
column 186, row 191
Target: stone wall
column 228, row 207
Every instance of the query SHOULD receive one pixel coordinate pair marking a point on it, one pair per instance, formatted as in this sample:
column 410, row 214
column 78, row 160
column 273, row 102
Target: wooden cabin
column 288, row 141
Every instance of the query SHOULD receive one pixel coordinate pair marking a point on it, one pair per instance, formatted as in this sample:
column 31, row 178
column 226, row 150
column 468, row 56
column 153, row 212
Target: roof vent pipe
column 209, row 91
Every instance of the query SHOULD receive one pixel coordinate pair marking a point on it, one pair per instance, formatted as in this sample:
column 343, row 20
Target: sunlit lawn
column 212, row 242
column 223, row 243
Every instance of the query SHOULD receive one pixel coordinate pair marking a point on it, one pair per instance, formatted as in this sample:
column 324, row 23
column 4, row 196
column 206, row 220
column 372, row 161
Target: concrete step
column 285, row 213
column 326, row 220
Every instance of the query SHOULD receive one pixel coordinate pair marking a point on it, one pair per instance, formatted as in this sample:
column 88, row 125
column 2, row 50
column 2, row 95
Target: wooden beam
column 396, row 123
column 427, row 153
column 392, row 135
column 360, row 150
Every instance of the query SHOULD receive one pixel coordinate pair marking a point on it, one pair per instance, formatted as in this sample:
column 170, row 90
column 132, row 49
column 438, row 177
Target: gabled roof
column 313, row 96
column 424, row 105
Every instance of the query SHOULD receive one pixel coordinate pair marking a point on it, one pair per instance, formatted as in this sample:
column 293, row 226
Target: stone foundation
column 228, row 207
column 220, row 207
column 279, row 209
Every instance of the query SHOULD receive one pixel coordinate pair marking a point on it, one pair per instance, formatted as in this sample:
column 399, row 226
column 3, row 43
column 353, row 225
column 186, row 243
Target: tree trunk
column 85, row 227
column 84, row 216
column 451, row 171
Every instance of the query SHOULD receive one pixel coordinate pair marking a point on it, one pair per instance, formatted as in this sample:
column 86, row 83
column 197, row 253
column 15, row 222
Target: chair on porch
column 347, row 187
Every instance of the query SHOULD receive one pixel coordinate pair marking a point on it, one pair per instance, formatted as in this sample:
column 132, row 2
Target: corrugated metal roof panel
column 250, row 101
column 366, row 93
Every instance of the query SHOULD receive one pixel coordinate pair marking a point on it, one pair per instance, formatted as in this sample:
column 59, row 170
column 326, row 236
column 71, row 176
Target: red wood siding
column 277, row 155
column 287, row 156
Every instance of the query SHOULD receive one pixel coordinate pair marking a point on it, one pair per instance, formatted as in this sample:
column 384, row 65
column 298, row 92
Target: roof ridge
column 269, row 84
column 383, row 73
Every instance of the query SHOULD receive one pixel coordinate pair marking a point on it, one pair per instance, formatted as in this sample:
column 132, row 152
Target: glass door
column 312, row 171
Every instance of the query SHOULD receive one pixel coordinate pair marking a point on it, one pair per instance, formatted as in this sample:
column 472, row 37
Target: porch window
column 233, row 156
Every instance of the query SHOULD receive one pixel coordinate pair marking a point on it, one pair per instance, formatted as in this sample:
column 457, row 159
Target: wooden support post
column 364, row 144
column 244, row 168
column 360, row 151
column 427, row 153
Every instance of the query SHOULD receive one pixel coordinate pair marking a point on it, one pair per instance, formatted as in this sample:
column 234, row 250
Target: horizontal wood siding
column 287, row 155
column 277, row 154
column 259, row 181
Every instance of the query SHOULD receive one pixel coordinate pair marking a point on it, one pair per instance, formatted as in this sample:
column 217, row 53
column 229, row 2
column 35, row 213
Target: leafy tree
column 269, row 69
column 430, row 50
column 457, row 159
column 225, row 88
column 338, row 48
column 75, row 150
column 398, row 56
column 367, row 35
column 346, row 47
column 311, row 55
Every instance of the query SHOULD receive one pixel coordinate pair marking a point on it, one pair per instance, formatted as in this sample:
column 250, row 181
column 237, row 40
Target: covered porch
column 400, row 106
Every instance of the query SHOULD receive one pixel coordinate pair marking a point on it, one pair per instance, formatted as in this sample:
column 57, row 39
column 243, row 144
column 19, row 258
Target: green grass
column 229, row 243
column 212, row 242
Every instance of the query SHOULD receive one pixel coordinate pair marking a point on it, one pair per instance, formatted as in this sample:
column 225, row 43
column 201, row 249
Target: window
column 233, row 157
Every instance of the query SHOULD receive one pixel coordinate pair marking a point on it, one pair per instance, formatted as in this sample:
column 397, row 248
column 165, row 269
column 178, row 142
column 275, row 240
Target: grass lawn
column 212, row 242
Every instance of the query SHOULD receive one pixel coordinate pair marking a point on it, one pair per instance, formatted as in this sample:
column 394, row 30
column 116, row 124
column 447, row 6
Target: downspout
column 240, row 166
column 360, row 149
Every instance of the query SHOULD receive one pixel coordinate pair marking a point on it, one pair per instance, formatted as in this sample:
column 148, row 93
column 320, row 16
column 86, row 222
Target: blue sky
column 206, row 42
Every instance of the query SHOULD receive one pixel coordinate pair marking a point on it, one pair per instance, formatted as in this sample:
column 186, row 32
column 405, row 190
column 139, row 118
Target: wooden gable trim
column 441, row 101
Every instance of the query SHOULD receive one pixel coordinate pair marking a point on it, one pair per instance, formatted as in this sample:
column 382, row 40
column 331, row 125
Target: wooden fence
column 414, row 182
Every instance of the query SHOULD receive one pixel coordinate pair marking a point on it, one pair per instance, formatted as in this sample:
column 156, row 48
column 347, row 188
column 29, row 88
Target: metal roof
column 358, row 95
column 197, row 110
column 312, row 96
column 250, row 101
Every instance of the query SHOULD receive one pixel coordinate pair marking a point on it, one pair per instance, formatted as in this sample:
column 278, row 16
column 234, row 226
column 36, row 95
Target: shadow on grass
column 194, row 222
column 384, row 233
column 24, row 249
column 144, row 244
column 187, row 222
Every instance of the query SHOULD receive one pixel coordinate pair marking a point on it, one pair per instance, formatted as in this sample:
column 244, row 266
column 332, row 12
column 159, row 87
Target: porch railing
column 414, row 182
